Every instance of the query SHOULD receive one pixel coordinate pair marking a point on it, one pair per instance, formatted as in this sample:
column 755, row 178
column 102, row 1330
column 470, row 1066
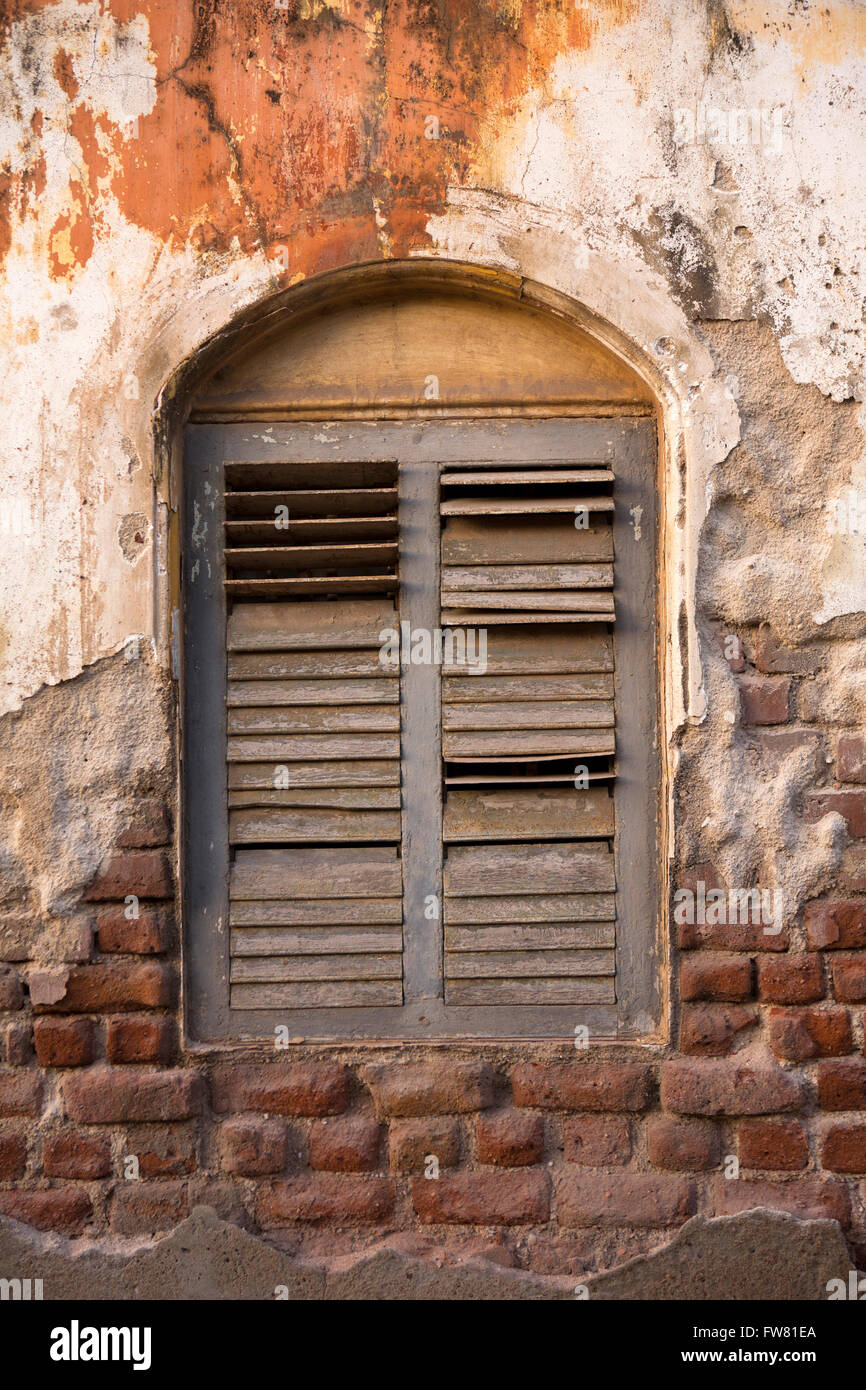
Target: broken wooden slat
column 312, row 873
column 288, row 588
column 289, row 627
column 284, row 825
column 527, row 814
column 490, row 617
column 306, row 530
column 517, row 506
column 311, row 557
column 572, row 867
column 318, row 473
column 548, row 540
column 520, row 652
column 312, row 503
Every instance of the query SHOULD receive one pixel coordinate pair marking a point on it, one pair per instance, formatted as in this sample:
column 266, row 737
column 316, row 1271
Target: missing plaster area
column 133, row 536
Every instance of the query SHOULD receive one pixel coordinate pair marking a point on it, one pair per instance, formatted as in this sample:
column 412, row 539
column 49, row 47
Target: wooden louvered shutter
column 527, row 555
column 402, row 850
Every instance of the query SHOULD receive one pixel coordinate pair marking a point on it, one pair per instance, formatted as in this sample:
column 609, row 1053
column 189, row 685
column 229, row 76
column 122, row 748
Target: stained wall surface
column 688, row 176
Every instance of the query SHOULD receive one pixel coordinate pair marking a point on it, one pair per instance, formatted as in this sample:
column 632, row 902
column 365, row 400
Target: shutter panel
column 529, row 885
column 313, row 735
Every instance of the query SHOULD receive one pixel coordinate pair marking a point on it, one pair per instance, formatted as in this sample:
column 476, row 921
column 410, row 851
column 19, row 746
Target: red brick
column 807, row 1198
column 844, row 1149
column 443, row 1087
column 770, row 657
column 716, row 977
column 162, row 1150
column 76, row 1156
column 412, row 1142
column 773, row 1144
column 13, row 1156
column 63, row 1042
column 710, row 1029
column 791, row 979
column 728, row 1087
column 105, row 1095
column 849, row 978
column 851, row 805
column 851, row 873
column 508, row 1139
column 281, row 1088
column 114, row 987
column 623, row 1199
column 19, row 1044
column 145, row 874
column 149, row 934
column 346, row 1145
column 597, row 1141
column 842, row 1085
column 20, row 1092
column 764, row 699
column 839, row 925
column 483, row 1199
column 777, row 744
column 796, row 1035
column 583, row 1086
column 11, row 990
column 851, row 758
column 682, row 1145
column 148, row 826
column 66, row 1210
column 342, row 1198
column 142, row 1208
column 733, row 937
column 253, row 1147
column 138, row 1039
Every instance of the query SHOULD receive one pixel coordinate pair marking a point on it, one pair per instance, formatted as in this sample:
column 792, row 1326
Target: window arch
column 421, row 777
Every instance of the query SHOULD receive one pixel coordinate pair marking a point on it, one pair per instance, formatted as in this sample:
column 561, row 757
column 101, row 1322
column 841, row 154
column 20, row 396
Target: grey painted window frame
column 629, row 443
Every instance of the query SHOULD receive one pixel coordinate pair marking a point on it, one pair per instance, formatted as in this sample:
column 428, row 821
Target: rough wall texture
column 169, row 167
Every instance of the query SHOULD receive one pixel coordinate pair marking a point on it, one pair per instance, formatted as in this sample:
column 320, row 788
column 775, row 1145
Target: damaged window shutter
column 527, row 557
column 313, row 735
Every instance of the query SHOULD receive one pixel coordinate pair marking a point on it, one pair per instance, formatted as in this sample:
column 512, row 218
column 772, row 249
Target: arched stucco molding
column 506, row 248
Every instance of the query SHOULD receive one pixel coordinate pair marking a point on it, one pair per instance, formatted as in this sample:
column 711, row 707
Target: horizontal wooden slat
column 312, row 747
column 490, row 778
column 574, row 867
column 310, row 557
column 315, row 941
column 280, row 825
column 509, row 744
column 349, row 798
column 517, row 506
column 321, row 665
column 547, row 936
column 527, row 814
column 511, row 965
column 489, row 617
column 541, row 540
column 480, row 993
column 327, row 873
column 336, row 719
column 308, row 530
column 311, row 503
column 523, row 461
column 530, row 714
column 596, row 601
column 533, row 907
column 319, row 473
column 289, row 588
column 462, row 689
column 330, row 994
column 267, row 969
column 292, row 626
column 497, row 477
column 498, row 577
column 314, row 692
column 315, row 913
column 525, row 652
column 360, row 773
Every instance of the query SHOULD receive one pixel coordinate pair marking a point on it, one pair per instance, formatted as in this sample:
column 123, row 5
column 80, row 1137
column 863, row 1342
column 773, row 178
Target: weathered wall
column 169, row 168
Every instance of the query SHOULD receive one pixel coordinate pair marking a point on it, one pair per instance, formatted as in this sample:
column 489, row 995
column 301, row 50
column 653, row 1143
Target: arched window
column 421, row 777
